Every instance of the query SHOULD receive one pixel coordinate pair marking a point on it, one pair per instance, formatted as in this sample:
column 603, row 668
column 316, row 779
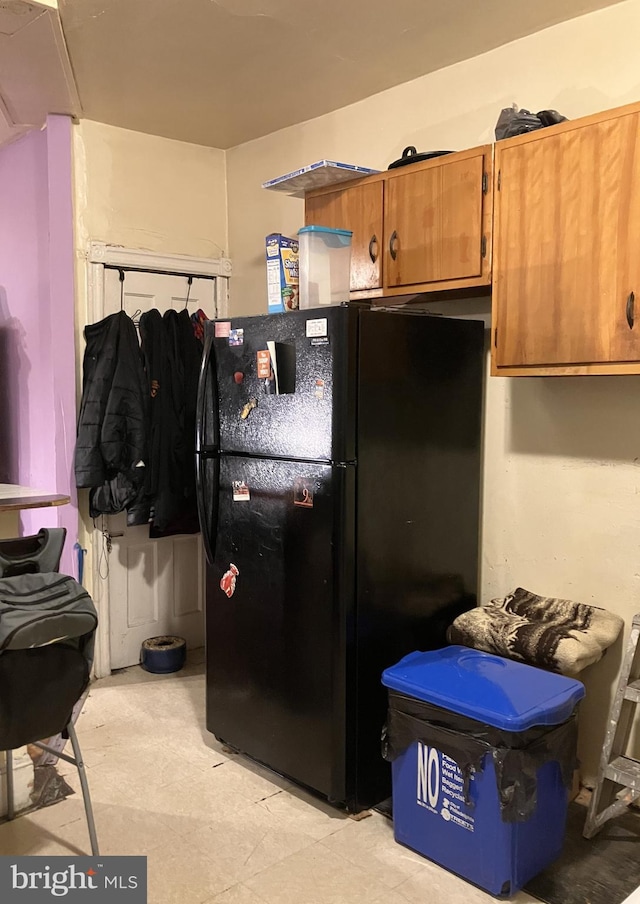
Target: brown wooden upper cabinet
column 437, row 223
column 357, row 207
column 421, row 228
column 566, row 273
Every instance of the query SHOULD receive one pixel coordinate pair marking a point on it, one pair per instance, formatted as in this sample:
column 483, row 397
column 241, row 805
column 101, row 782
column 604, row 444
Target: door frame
column 100, row 255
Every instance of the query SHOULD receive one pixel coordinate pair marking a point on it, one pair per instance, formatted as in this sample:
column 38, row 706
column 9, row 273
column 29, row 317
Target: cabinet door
column 358, row 208
column 566, row 245
column 433, row 221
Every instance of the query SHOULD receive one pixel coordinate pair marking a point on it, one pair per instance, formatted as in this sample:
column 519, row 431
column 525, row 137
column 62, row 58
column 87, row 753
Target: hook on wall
column 189, row 281
column 121, row 272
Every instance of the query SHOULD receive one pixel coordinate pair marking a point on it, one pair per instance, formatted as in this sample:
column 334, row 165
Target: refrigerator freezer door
column 207, row 423
column 285, row 385
column 275, row 619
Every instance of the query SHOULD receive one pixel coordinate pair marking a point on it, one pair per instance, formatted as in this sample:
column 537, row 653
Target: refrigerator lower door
column 276, row 620
column 207, row 482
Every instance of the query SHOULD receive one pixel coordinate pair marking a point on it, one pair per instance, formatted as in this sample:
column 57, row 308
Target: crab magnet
column 228, row 580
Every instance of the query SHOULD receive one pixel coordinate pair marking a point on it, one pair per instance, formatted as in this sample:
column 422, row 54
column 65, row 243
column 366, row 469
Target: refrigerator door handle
column 208, row 520
column 208, row 358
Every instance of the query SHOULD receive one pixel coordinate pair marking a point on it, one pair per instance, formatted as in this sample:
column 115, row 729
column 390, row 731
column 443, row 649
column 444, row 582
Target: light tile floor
column 216, row 828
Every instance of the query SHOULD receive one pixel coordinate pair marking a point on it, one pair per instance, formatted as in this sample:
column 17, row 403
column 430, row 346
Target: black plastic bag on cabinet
column 517, row 122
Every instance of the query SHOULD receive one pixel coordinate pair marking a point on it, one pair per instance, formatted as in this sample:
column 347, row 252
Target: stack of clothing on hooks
column 135, row 447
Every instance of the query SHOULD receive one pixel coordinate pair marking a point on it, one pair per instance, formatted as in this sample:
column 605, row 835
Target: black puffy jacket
column 111, row 446
column 172, row 360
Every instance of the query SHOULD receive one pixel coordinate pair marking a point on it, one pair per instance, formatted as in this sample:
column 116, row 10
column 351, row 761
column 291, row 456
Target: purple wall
column 37, row 354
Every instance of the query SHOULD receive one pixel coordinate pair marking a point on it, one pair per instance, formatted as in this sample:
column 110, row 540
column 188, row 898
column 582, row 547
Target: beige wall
column 561, row 502
column 146, row 192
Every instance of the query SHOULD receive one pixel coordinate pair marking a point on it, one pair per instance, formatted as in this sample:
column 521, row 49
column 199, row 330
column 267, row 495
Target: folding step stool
column 618, row 782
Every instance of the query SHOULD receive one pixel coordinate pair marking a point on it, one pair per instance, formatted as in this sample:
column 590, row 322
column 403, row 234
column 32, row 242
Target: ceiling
column 35, row 71
column 221, row 72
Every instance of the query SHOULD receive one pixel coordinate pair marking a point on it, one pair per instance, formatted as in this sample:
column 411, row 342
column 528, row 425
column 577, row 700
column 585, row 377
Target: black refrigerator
column 338, row 469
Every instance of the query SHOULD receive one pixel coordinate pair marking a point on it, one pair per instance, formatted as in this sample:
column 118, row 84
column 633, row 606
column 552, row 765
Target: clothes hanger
column 135, row 317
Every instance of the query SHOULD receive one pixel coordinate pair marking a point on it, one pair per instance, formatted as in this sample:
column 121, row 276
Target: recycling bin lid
column 499, row 692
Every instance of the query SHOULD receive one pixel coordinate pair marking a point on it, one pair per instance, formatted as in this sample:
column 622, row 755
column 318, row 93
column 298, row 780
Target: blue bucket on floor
column 461, row 823
column 164, row 654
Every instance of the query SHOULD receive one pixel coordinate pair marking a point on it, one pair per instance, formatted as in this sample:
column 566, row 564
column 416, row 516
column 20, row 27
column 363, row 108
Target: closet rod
column 158, row 272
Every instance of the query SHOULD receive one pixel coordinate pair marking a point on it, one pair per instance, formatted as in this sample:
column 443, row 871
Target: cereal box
column 282, row 273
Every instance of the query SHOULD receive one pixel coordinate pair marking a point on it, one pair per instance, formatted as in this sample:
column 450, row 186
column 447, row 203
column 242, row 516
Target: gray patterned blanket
column 550, row 633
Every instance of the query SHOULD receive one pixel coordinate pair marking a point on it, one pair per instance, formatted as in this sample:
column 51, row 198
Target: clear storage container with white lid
column 325, row 266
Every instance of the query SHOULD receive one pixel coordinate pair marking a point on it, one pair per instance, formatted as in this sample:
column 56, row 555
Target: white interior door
column 156, row 586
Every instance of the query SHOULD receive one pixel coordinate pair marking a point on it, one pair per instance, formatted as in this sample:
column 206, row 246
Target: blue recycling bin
column 483, row 753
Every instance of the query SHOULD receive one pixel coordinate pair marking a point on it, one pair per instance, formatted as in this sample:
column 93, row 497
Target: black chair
column 28, row 555
column 40, row 685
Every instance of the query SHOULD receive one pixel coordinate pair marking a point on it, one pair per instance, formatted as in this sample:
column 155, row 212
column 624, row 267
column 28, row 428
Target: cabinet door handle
column 630, row 309
column 373, row 248
column 393, row 247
